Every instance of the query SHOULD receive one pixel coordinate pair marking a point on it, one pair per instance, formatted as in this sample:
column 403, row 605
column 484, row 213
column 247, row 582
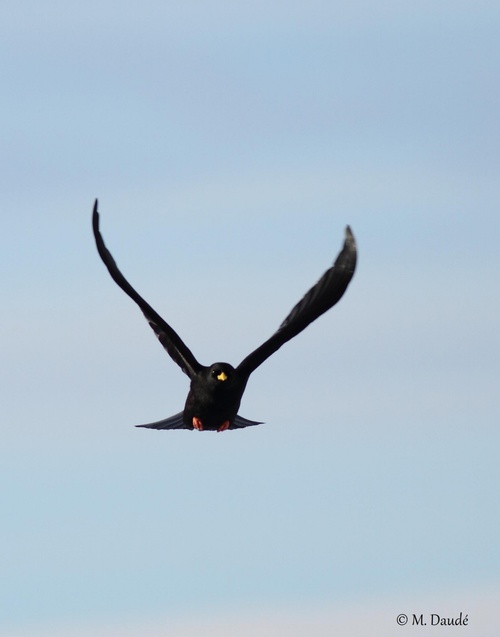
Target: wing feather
column 320, row 298
column 170, row 340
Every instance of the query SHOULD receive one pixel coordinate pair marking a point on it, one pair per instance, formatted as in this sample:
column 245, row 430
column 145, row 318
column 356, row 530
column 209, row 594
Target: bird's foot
column 197, row 424
column 224, row 426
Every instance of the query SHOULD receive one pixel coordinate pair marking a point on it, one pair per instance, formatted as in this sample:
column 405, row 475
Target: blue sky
column 229, row 144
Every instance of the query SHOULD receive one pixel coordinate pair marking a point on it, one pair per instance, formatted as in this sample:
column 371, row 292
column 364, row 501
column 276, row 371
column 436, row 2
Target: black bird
column 215, row 393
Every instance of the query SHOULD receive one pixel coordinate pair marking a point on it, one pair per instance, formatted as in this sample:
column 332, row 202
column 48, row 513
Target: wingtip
column 95, row 216
column 349, row 237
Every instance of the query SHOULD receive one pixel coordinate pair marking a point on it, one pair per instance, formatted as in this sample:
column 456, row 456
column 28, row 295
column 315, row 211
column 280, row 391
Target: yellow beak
column 222, row 376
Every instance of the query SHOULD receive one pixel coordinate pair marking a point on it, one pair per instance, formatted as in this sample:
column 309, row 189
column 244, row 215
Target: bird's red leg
column 197, row 424
column 224, row 426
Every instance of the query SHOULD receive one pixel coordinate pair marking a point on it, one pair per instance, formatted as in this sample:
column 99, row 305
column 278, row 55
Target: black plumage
column 215, row 392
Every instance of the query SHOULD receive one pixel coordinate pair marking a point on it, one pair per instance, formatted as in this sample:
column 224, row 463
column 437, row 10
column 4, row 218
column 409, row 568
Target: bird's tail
column 177, row 422
column 174, row 422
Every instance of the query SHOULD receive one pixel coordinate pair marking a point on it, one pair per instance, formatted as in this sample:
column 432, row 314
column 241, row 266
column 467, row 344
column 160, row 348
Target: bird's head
column 221, row 373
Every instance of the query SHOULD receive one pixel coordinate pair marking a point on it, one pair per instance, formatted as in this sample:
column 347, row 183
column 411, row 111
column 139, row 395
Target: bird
column 216, row 390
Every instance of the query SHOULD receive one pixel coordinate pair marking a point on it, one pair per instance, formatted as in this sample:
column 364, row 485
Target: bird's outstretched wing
column 320, row 298
column 170, row 340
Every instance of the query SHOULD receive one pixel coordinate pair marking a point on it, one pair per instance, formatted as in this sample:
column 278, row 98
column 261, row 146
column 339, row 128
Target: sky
column 229, row 144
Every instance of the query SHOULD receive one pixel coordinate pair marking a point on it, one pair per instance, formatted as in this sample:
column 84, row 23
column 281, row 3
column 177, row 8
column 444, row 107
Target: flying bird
column 215, row 392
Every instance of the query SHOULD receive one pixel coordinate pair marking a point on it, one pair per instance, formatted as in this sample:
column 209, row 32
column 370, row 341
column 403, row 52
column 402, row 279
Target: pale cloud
column 377, row 618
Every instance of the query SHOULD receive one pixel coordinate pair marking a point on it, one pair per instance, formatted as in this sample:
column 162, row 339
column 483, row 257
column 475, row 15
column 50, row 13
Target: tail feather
column 239, row 422
column 174, row 422
column 177, row 422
